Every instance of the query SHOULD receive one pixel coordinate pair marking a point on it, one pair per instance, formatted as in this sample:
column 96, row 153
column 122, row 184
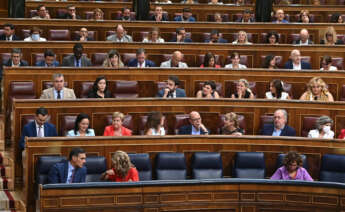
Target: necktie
column 40, row 132
column 78, row 64
column 72, row 177
column 58, row 94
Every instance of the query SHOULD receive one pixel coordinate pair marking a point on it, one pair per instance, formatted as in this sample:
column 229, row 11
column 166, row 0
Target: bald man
column 304, row 38
column 175, row 61
column 120, row 35
column 295, row 62
column 196, row 126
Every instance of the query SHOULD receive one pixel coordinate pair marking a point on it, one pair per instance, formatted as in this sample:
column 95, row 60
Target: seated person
column 83, row 35
column 235, row 62
column 159, row 15
column 42, row 12
column 71, row 13
column 231, row 125
column 81, row 126
column 141, row 61
column 49, row 59
column 304, row 38
column 330, row 37
column 181, row 36
column 215, row 37
column 241, row 38
column 326, row 64
column 175, row 61
column 16, row 59
column 116, row 129
column 246, row 17
column 240, row 2
column 126, row 15
column 120, row 35
column 218, row 17
column 279, row 126
column 77, row 59
column 163, row 2
column 186, row 16
column 58, row 91
column 209, row 61
column 155, row 124
column 317, row 91
column 208, row 91
column 304, row 17
column 292, row 169
column 196, row 126
column 323, row 128
column 272, row 38
column 71, row 170
column 270, row 62
column 337, row 18
column 35, row 35
column 98, row 15
column 154, row 36
column 9, row 33
column 172, row 90
column 113, row 60
column 189, row 2
column 277, row 91
column 280, row 17
column 215, row 2
column 295, row 62
column 100, row 89
column 242, row 90
column 122, row 169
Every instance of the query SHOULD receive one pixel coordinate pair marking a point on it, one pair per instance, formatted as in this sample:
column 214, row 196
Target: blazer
column 180, row 18
column 186, row 40
column 297, row 42
column 29, row 130
column 22, row 63
column 304, row 65
column 251, row 20
column 164, row 18
column 69, row 61
column 134, row 63
column 42, row 63
column 77, row 38
column 220, row 40
column 59, row 173
column 287, row 130
column 167, row 64
column 187, row 130
column 49, row 93
column 14, row 37
column 179, row 93
column 109, row 131
column 93, row 94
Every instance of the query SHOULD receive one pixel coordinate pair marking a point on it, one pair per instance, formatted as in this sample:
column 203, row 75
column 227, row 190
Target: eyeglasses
column 196, row 119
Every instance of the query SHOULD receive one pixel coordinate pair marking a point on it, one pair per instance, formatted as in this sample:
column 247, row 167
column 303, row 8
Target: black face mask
column 125, row 17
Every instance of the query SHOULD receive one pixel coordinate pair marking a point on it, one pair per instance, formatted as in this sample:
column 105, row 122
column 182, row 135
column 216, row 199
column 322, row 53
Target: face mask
column 326, row 129
column 35, row 37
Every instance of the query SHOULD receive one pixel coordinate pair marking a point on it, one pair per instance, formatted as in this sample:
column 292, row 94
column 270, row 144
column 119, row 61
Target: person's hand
column 209, row 96
column 210, row 41
column 202, row 126
column 47, row 16
column 166, row 91
column 159, row 17
column 74, row 15
column 110, row 172
column 237, row 134
column 179, row 38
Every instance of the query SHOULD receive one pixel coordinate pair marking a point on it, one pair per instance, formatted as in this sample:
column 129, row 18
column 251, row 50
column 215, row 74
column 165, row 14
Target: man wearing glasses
column 42, row 13
column 71, row 13
column 196, row 126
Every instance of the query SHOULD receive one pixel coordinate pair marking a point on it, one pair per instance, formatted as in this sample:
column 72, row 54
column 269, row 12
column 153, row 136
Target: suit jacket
column 186, row 40
column 297, row 42
column 304, row 65
column 49, row 93
column 134, row 63
column 14, row 37
column 29, row 130
column 125, row 38
column 22, row 63
column 179, row 93
column 220, row 40
column 187, row 130
column 180, row 18
column 287, row 130
column 77, row 38
column 251, row 20
column 59, row 173
column 69, row 61
column 164, row 18
column 42, row 63
column 68, row 16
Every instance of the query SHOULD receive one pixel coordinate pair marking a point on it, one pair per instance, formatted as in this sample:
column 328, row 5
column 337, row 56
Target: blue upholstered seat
column 332, row 168
column 95, row 165
column 249, row 165
column 143, row 164
column 207, row 165
column 171, row 166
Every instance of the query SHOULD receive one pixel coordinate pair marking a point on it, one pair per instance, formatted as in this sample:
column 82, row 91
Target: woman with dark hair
column 272, row 38
column 277, row 91
column 155, row 124
column 209, row 61
column 337, row 18
column 304, row 17
column 208, row 91
column 292, row 169
column 270, row 62
column 113, row 60
column 326, row 64
column 235, row 61
column 99, row 89
column 81, row 126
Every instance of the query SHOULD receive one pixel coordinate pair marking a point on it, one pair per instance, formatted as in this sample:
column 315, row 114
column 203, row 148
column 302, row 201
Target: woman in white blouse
column 277, row 91
column 323, row 128
column 241, row 38
column 155, row 124
column 82, row 126
column 235, row 61
column 154, row 37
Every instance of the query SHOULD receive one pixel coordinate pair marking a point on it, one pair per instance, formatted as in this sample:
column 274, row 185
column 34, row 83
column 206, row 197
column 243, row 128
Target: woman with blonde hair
column 330, row 37
column 317, row 90
column 154, row 36
column 231, row 125
column 123, row 170
column 241, row 38
column 98, row 14
column 113, row 60
column 242, row 90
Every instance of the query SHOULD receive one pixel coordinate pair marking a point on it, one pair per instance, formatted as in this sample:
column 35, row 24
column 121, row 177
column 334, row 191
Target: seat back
column 307, row 125
column 249, row 165
column 207, row 165
column 66, row 124
column 142, row 162
column 126, row 57
column 281, row 157
column 43, row 165
column 22, row 90
column 95, row 165
column 181, row 120
column 82, row 89
column 5, row 57
column 332, row 168
column 126, row 89
column 98, row 58
column 171, row 166
column 91, row 35
column 59, row 35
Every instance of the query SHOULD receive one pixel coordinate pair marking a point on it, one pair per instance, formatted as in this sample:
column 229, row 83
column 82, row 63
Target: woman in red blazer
column 116, row 129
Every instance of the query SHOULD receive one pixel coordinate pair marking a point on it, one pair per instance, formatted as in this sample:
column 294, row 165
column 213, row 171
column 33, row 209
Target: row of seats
column 204, row 165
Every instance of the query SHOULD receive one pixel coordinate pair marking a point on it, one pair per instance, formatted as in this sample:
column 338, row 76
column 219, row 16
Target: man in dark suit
column 38, row 128
column 172, row 90
column 71, row 13
column 16, row 59
column 141, row 61
column 8, row 34
column 295, row 62
column 215, row 37
column 279, row 126
column 304, row 38
column 77, row 59
column 181, row 36
column 71, row 171
column 83, row 35
column 159, row 15
column 196, row 127
column 49, row 59
column 246, row 17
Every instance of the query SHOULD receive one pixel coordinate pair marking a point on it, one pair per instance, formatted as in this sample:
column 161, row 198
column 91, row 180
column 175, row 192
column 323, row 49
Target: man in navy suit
column 246, row 17
column 295, row 62
column 172, row 90
column 215, row 37
column 181, row 36
column 186, row 16
column 196, row 127
column 49, row 59
column 71, row 171
column 16, row 59
column 141, row 61
column 279, row 126
column 8, row 34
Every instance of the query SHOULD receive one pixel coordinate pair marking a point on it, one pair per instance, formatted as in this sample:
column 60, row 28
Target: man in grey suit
column 175, row 61
column 58, row 91
column 77, row 59
column 120, row 35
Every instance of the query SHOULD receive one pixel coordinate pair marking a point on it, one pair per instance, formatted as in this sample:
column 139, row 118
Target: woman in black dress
column 100, row 89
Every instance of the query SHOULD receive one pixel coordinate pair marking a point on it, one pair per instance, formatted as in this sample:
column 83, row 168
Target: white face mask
column 326, row 129
column 35, row 36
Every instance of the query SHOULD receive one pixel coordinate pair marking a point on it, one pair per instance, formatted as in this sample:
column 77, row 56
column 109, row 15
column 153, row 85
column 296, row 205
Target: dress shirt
column 38, row 128
column 195, row 131
column 277, row 132
column 70, row 172
column 297, row 67
column 141, row 65
column 77, row 63
column 56, row 94
column 9, row 38
column 172, row 94
column 302, row 44
column 15, row 65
